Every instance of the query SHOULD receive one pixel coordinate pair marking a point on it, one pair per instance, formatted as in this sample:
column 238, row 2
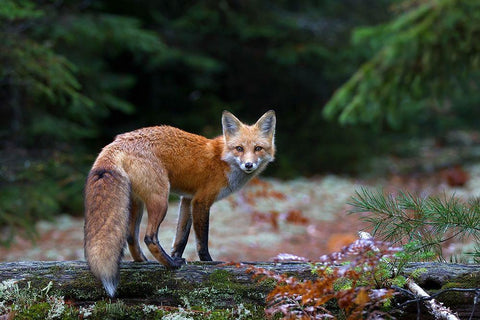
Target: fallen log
column 225, row 285
column 218, row 284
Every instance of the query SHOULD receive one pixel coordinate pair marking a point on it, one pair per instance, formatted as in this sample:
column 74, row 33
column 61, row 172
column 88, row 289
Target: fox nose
column 248, row 165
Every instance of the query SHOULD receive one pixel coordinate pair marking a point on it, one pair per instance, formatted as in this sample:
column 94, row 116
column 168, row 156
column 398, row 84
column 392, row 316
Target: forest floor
column 304, row 217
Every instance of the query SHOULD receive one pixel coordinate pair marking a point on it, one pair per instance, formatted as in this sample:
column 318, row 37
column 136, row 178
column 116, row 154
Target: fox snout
column 249, row 166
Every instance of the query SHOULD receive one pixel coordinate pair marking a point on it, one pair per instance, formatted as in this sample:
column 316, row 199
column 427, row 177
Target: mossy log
column 214, row 283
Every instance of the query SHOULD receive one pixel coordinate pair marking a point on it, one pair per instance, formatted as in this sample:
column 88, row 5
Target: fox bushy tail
column 107, row 202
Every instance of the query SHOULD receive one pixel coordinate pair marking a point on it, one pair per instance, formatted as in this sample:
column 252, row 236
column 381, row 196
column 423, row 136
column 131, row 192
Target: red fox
column 141, row 168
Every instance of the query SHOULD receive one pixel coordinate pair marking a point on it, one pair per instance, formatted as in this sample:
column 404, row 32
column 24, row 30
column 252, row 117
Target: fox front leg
column 183, row 228
column 201, row 216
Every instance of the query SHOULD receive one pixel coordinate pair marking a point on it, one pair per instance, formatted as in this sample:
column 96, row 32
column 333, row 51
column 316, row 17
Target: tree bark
column 215, row 283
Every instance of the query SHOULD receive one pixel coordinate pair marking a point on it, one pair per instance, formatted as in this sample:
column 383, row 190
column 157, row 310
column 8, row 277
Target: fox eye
column 239, row 148
column 257, row 148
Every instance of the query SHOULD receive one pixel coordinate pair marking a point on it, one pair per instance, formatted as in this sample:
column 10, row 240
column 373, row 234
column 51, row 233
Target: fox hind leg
column 136, row 213
column 157, row 208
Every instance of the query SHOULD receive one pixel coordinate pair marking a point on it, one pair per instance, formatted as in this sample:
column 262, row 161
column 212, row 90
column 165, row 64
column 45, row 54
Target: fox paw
column 178, row 262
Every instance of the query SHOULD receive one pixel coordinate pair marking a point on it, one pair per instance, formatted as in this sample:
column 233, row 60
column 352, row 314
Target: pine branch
column 429, row 221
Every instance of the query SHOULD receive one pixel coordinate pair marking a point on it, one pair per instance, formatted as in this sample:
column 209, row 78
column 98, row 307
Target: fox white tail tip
column 110, row 286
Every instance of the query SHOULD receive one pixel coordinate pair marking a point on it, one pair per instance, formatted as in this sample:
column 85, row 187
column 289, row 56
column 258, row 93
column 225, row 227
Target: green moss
column 83, row 287
column 205, row 307
column 216, row 296
column 225, row 281
column 220, row 276
column 137, row 283
column 71, row 314
column 35, row 282
column 37, row 311
column 467, row 281
column 417, row 273
column 153, row 284
column 56, row 270
column 471, row 280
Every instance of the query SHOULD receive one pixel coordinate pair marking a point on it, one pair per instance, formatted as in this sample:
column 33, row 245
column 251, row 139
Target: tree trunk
column 217, row 284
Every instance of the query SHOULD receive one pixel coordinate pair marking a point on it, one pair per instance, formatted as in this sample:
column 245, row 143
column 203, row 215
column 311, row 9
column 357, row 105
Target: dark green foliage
column 57, row 84
column 57, row 79
column 39, row 189
column 423, row 62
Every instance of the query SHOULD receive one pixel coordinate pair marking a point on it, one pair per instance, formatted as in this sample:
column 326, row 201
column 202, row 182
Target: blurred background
column 362, row 89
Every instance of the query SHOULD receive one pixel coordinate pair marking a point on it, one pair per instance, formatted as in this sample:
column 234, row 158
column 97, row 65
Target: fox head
column 251, row 147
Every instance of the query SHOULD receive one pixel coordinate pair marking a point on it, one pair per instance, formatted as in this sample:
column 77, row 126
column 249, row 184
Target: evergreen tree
column 57, row 83
column 423, row 64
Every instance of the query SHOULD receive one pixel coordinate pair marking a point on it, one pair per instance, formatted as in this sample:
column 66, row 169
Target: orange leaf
column 295, row 216
column 362, row 297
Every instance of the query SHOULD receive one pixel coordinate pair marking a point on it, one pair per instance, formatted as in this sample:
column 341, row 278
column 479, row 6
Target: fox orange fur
column 142, row 167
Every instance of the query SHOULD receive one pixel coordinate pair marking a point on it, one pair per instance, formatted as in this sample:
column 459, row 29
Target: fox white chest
column 237, row 178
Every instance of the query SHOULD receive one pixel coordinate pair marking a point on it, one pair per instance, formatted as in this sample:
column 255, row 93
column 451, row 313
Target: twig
column 430, row 297
column 475, row 300
column 437, row 309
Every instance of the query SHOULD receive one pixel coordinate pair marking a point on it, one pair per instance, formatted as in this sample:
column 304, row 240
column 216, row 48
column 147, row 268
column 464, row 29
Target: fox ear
column 230, row 124
column 267, row 123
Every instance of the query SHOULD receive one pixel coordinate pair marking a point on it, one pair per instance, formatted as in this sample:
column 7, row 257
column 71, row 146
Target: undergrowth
column 353, row 283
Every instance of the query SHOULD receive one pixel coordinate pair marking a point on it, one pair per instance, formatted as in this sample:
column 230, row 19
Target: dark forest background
column 350, row 81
